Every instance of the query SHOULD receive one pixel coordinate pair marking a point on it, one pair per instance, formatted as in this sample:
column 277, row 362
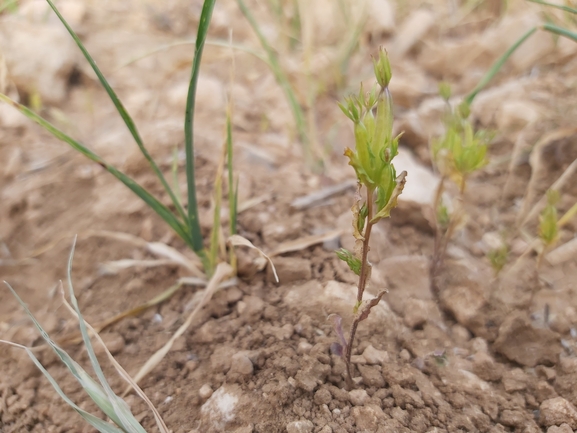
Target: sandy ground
column 488, row 353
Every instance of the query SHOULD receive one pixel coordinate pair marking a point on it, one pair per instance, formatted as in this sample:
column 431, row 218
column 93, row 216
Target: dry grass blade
column 534, row 188
column 320, row 196
column 114, row 267
column 239, row 241
column 121, row 371
column 222, row 271
column 307, row 241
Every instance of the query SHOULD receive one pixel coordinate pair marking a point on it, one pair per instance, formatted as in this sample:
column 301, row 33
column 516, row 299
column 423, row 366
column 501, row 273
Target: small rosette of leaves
column 461, row 150
column 375, row 146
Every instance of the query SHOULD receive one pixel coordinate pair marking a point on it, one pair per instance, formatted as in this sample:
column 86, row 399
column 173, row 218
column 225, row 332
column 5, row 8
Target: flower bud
column 382, row 69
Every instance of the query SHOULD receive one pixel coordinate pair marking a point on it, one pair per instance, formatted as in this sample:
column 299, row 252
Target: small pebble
column 205, row 391
column 300, row 427
column 304, row 347
column 358, row 397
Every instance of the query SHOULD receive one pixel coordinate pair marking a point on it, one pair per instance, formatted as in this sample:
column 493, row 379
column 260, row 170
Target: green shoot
column 372, row 160
column 498, row 258
column 460, row 152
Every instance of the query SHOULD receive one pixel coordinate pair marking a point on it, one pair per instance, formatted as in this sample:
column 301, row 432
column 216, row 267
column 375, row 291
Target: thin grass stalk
column 284, row 83
column 144, row 195
column 121, row 411
column 122, row 111
column 552, row 28
column 556, row 6
column 216, row 228
column 498, row 65
column 193, row 219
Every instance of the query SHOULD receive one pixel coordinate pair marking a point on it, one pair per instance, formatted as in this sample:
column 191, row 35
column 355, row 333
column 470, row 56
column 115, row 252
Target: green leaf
column 121, row 110
column 148, row 198
column 193, row 219
column 497, row 66
column 350, row 259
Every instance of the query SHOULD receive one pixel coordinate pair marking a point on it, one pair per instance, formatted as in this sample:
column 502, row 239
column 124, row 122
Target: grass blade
column 97, row 394
column 498, row 65
column 283, row 82
column 552, row 28
column 553, row 5
column 193, row 220
column 127, row 420
column 121, row 110
column 148, row 198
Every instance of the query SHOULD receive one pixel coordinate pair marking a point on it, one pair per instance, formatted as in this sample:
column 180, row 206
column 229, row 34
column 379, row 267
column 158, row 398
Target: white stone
column 374, row 356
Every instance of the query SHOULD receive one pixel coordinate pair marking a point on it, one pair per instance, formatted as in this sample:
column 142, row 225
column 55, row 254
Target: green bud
column 464, row 109
column 350, row 259
column 445, row 90
column 548, row 228
column 382, row 69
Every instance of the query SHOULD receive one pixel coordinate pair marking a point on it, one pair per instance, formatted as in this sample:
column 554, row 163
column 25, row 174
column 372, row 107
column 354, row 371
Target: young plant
column 460, row 152
column 100, row 392
column 372, row 160
column 185, row 222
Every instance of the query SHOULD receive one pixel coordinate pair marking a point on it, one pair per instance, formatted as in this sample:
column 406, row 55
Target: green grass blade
column 497, row 66
column 552, row 28
column 150, row 200
column 97, row 394
column 232, row 191
column 193, row 219
column 127, row 420
column 121, row 110
column 553, row 5
column 283, row 82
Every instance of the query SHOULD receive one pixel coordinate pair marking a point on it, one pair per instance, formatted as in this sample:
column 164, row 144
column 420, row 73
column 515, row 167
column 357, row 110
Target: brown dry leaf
column 539, row 173
column 221, row 272
column 121, row 371
column 305, row 242
column 237, row 241
column 320, row 196
column 114, row 267
column 366, row 306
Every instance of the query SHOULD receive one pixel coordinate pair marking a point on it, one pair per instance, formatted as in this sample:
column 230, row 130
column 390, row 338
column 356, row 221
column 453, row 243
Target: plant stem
column 363, row 280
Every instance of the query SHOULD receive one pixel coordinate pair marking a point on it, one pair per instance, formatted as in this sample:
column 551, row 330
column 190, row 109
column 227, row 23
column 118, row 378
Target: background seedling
column 459, row 153
column 372, row 160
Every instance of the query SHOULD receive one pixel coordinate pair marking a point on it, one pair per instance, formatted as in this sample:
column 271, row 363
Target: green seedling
column 498, row 258
column 185, row 222
column 459, row 153
column 372, row 160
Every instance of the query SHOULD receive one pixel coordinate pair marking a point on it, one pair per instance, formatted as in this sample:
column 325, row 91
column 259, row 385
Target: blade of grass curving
column 193, row 219
column 498, row 65
column 283, row 82
column 120, row 408
column 150, row 200
column 159, row 421
column 553, row 5
column 122, row 111
column 96, row 393
column 99, row 424
column 552, row 28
